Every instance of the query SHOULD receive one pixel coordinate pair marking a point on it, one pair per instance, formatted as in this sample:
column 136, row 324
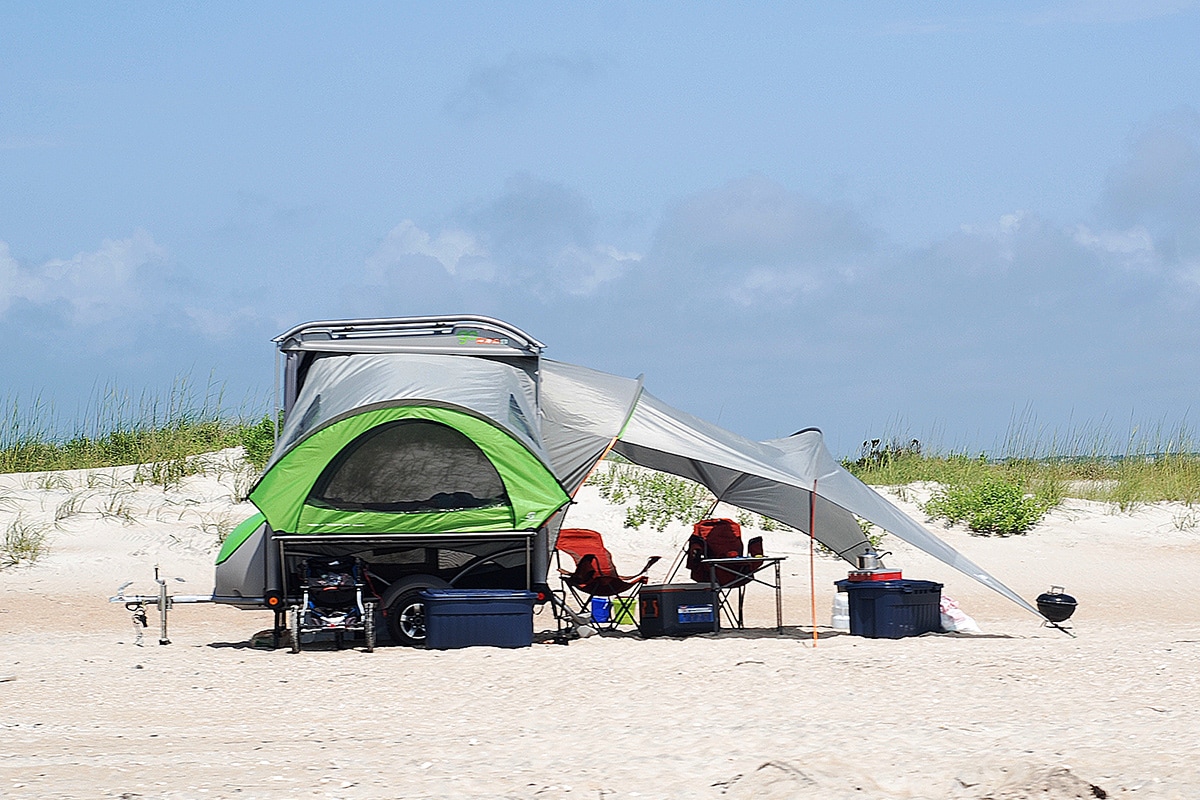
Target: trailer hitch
column 136, row 605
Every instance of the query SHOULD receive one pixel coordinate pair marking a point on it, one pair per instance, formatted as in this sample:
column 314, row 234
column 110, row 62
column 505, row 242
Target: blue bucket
column 601, row 607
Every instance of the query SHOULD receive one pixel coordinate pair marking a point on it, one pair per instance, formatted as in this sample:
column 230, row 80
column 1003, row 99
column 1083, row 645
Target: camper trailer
column 411, row 444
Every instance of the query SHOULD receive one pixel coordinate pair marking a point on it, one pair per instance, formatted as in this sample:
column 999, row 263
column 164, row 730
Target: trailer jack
column 136, row 605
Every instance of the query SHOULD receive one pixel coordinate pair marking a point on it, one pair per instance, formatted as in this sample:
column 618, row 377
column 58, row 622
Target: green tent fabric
column 283, row 493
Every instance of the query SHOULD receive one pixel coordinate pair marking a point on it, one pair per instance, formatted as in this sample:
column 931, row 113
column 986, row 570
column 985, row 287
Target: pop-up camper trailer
column 412, row 444
column 443, row 452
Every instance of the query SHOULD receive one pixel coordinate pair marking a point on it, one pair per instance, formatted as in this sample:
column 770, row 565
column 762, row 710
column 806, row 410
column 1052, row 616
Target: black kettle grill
column 1056, row 607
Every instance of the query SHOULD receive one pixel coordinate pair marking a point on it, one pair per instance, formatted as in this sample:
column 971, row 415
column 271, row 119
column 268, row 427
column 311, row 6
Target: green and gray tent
column 401, row 443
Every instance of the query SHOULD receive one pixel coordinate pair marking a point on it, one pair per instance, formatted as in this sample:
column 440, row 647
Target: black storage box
column 469, row 617
column 677, row 609
column 893, row 609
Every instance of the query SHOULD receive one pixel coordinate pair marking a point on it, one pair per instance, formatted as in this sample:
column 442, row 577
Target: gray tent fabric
column 341, row 384
column 583, row 411
column 582, row 414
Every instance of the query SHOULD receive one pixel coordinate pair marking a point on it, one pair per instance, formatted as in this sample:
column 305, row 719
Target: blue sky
column 874, row 218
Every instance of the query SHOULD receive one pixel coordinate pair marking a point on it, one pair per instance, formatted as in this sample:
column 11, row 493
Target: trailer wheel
column 296, row 617
column 406, row 618
column 369, row 626
column 404, row 609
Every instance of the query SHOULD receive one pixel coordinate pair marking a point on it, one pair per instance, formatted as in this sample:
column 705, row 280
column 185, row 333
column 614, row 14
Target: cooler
column 676, row 609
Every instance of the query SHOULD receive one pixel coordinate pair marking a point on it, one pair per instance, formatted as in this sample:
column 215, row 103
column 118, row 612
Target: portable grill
column 1057, row 607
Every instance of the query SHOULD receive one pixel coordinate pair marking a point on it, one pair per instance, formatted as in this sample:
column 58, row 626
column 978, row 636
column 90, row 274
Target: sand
column 1020, row 711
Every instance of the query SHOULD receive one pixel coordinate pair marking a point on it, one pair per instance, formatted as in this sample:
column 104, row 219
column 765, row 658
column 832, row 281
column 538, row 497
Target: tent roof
column 345, row 396
column 337, row 385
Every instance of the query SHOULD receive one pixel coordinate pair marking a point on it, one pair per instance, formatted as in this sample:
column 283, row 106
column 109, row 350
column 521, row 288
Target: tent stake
column 812, row 556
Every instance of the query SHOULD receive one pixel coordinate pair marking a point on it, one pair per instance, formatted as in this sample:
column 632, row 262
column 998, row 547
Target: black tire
column 406, row 618
column 369, row 626
column 297, row 615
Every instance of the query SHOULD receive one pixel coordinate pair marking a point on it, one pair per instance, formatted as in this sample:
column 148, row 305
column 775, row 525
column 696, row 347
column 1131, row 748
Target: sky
column 946, row 221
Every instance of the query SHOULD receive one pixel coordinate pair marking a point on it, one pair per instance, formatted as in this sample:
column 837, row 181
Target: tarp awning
column 585, row 411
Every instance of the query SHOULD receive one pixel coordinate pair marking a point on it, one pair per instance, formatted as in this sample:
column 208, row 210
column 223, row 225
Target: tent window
column 410, row 465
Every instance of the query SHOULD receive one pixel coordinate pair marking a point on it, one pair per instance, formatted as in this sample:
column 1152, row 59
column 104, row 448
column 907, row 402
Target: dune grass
column 164, row 435
column 1034, row 474
column 1004, row 493
column 23, row 542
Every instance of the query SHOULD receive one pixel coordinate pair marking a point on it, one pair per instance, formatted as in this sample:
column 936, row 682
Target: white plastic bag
column 955, row 620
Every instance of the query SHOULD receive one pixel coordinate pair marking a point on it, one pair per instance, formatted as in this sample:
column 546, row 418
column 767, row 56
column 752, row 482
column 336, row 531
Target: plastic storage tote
column 893, row 609
column 478, row 617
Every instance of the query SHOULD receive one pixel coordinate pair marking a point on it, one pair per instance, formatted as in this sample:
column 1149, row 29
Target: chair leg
column 566, row 622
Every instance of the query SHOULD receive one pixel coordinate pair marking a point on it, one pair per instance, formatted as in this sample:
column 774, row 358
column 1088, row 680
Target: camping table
column 721, row 593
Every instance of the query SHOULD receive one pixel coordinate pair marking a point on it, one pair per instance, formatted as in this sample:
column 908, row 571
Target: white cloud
column 580, row 271
column 1133, row 248
column 15, row 282
column 449, row 248
column 753, row 239
column 772, row 286
column 537, row 238
column 89, row 287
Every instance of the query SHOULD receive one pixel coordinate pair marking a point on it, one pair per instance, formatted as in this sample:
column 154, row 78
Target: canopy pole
column 812, row 557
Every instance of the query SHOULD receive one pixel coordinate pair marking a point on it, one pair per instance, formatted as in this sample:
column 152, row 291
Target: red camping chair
column 722, row 538
column 595, row 575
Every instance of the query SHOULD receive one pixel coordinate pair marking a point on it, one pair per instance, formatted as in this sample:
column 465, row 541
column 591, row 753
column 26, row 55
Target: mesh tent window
column 409, row 465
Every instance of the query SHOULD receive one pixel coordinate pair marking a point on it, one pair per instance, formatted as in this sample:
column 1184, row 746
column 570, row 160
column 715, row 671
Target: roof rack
column 466, row 333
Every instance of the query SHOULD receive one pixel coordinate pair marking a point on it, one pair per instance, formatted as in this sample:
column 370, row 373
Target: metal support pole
column 164, row 603
column 778, row 599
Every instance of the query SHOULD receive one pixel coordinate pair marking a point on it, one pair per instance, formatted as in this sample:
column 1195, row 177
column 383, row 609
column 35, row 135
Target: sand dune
column 1021, row 711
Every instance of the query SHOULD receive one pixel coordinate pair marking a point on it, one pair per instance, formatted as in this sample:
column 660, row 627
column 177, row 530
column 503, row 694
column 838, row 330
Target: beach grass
column 163, row 434
column 23, row 542
column 1146, row 465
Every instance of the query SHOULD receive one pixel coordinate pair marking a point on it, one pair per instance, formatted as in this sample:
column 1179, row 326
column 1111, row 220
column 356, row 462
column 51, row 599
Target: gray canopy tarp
column 585, row 413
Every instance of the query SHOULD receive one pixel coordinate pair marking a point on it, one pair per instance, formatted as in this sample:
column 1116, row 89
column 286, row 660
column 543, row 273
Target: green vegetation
column 1010, row 494
column 23, row 542
column 164, row 436
column 658, row 499
column 990, row 506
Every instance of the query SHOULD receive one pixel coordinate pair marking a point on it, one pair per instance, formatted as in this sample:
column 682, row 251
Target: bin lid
column 675, row 587
column 904, row 586
column 478, row 594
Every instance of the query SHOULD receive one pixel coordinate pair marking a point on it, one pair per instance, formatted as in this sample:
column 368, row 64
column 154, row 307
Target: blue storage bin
column 478, row 617
column 893, row 609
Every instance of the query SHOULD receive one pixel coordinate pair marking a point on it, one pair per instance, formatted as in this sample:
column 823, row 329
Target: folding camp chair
column 713, row 554
column 595, row 575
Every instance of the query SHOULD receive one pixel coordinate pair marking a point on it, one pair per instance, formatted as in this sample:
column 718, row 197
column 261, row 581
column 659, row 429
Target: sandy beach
column 1019, row 711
